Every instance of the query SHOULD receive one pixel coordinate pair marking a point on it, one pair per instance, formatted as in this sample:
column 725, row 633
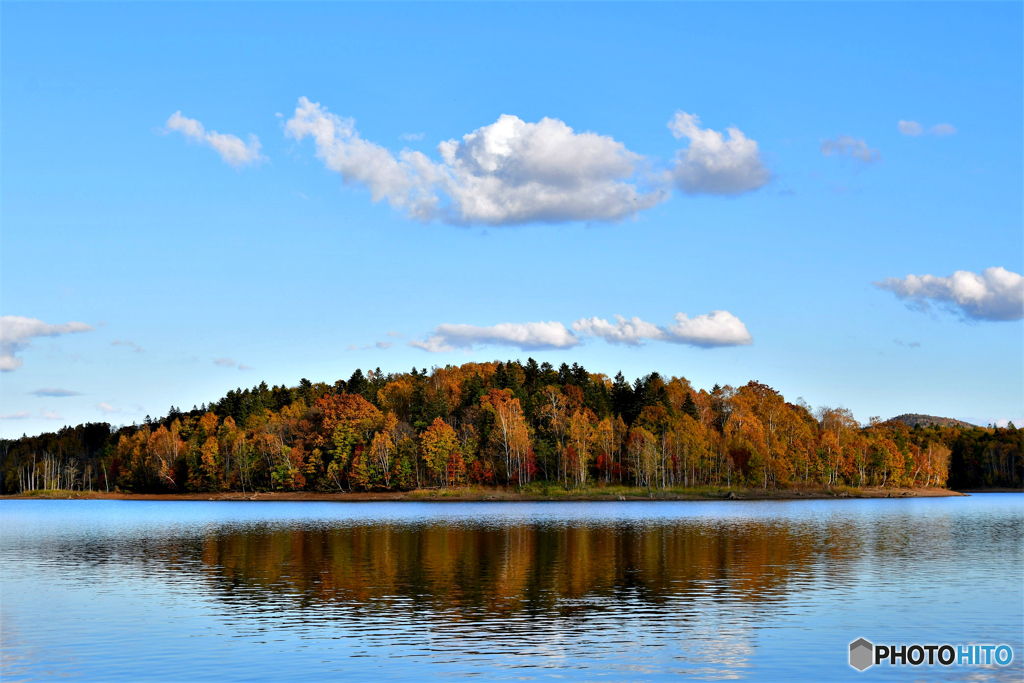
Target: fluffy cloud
column 516, row 172
column 995, row 294
column 551, row 335
column 107, row 409
column 16, row 332
column 55, row 393
column 718, row 328
column 507, row 173
column 913, row 128
column 846, row 145
column 630, row 331
column 713, row 165
column 341, row 149
column 910, row 127
column 230, row 147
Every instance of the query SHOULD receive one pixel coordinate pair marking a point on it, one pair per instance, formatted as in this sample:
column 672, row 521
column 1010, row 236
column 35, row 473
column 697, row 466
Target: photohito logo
column 863, row 655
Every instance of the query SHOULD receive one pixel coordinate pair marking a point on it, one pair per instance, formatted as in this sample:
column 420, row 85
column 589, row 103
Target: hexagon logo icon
column 861, row 652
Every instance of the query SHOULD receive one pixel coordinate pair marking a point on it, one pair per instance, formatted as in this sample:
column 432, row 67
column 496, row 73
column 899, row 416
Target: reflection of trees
column 503, row 569
column 636, row 598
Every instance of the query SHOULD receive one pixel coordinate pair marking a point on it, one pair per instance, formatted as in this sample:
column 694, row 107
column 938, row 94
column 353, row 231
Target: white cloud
column 411, row 136
column 541, row 335
column 107, row 409
column 507, row 173
column 846, row 145
column 517, row 172
column 914, row 128
column 20, row 415
column 712, row 165
column 995, row 294
column 55, row 393
column 16, row 331
column 910, row 127
column 718, row 328
column 630, row 331
column 232, row 149
column 392, row 333
column 384, row 344
column 365, row 163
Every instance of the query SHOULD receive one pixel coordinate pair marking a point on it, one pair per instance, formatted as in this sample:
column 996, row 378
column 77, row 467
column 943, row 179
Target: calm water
column 114, row 590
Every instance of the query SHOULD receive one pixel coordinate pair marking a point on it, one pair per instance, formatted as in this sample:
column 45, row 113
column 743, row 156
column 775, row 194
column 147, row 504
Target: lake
column 774, row 590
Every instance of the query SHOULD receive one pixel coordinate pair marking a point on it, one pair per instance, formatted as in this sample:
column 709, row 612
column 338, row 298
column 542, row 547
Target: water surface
column 775, row 590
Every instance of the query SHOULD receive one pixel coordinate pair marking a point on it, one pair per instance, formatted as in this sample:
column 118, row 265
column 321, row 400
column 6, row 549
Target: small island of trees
column 508, row 424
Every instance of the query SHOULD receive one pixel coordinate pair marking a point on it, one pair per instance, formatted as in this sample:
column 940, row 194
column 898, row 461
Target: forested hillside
column 915, row 419
column 507, row 424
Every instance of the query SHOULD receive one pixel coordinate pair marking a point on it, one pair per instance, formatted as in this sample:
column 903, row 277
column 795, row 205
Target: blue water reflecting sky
column 117, row 590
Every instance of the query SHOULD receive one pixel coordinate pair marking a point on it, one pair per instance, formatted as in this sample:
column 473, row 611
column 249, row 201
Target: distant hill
column 911, row 419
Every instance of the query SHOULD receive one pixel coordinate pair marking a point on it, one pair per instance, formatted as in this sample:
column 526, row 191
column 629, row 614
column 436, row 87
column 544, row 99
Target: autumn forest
column 508, row 424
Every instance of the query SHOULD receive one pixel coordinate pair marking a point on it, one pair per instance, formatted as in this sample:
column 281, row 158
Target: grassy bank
column 534, row 492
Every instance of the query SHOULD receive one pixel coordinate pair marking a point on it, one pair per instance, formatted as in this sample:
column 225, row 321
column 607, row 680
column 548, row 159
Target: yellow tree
column 678, row 389
column 607, row 441
column 439, row 444
column 937, row 458
column 167, row 446
column 210, row 455
column 232, row 443
column 643, row 454
column 211, row 458
column 135, row 456
column 760, row 401
column 396, row 397
column 383, row 447
column 837, row 428
column 581, row 437
column 887, row 460
column 746, row 434
column 511, row 433
column 690, row 446
column 555, row 415
column 443, row 390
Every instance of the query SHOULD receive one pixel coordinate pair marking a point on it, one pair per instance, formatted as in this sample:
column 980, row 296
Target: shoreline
column 480, row 494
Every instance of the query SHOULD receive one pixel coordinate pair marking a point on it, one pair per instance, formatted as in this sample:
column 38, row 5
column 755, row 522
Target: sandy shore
column 505, row 495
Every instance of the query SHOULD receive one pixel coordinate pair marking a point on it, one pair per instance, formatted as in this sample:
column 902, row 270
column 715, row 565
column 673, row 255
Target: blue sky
column 189, row 250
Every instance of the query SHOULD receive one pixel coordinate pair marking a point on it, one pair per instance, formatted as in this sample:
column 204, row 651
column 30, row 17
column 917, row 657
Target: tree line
column 510, row 424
